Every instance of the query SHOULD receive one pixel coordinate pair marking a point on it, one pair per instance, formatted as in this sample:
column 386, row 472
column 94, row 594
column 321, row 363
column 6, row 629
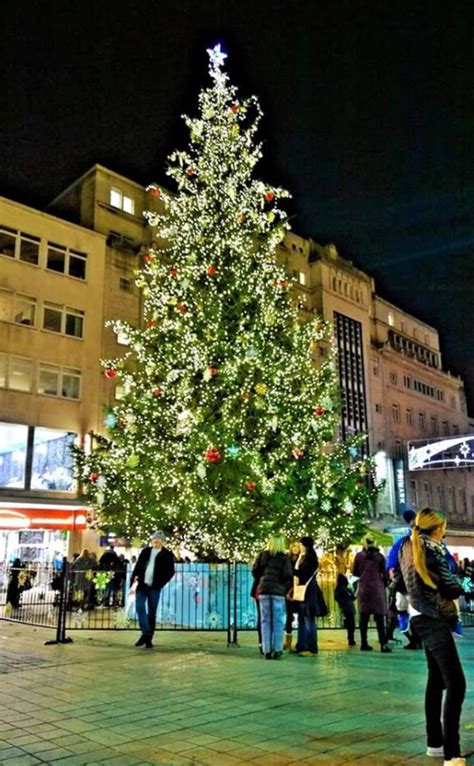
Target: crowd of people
column 416, row 588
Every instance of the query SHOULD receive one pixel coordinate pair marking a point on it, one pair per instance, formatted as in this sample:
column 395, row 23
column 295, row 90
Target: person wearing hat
column 154, row 568
column 369, row 567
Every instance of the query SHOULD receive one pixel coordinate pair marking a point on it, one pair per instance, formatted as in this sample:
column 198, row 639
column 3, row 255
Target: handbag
column 299, row 591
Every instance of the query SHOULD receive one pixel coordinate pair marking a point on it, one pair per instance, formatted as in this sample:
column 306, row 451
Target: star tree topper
column 217, row 56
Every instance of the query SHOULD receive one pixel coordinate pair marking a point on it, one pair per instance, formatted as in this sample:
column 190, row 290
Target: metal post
column 62, row 605
column 229, row 603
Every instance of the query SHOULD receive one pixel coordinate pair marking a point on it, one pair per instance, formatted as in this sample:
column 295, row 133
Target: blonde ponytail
column 426, row 521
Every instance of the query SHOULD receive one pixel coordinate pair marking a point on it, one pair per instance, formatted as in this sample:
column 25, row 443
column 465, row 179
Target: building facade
column 67, row 272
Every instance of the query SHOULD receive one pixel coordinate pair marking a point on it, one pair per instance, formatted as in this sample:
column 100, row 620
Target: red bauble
column 148, row 258
column 212, row 455
column 153, row 191
column 93, row 476
column 150, row 323
column 211, row 271
column 319, row 410
column 190, row 172
column 269, row 196
column 110, row 372
column 241, row 218
column 282, row 283
column 212, row 371
column 173, row 271
column 297, row 453
column 157, row 393
column 250, row 486
column 234, row 108
column 181, row 308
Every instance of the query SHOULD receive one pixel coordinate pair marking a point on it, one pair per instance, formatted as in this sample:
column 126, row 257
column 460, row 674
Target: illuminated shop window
column 13, row 449
column 52, row 463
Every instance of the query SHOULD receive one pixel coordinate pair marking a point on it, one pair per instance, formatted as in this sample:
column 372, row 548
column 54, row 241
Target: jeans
column 364, row 624
column 146, row 602
column 444, row 673
column 307, row 633
column 273, row 617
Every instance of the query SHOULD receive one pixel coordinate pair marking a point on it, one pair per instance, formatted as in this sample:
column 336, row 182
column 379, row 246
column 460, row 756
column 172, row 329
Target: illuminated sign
column 451, row 452
column 400, row 486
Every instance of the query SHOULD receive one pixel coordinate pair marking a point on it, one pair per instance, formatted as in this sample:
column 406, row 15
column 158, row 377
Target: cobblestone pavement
column 192, row 700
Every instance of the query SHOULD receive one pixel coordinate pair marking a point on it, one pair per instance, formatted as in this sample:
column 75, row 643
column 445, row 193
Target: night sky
column 369, row 119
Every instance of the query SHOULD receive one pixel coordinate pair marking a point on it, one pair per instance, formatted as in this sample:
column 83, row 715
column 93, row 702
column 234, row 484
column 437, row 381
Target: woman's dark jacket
column 163, row 572
column 273, row 574
column 306, row 569
column 431, row 602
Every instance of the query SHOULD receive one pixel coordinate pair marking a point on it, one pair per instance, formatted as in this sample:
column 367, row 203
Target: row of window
column 422, row 421
column 36, row 458
column 26, row 247
column 349, row 291
column 404, row 329
column 19, row 373
column 22, row 309
column 423, row 493
column 421, row 353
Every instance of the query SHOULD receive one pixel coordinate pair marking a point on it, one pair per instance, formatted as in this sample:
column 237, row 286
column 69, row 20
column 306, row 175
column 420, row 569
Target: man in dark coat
column 369, row 567
column 154, row 568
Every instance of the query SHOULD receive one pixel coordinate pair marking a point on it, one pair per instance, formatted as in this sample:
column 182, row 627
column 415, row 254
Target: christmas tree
column 226, row 431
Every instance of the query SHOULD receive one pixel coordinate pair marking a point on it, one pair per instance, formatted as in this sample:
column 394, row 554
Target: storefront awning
column 42, row 516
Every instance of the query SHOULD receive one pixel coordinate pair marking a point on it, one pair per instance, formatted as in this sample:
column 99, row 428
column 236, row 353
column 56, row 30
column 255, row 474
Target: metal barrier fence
column 200, row 597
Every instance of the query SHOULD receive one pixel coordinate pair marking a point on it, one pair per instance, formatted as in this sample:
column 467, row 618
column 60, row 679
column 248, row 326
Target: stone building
column 66, row 272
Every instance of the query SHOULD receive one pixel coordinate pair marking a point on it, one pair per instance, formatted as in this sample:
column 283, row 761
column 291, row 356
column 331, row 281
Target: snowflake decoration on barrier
column 214, row 620
column 120, row 619
column 249, row 619
column 168, row 617
column 78, row 618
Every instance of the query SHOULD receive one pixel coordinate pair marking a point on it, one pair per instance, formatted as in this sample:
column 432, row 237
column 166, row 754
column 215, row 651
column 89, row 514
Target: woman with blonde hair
column 273, row 574
column 431, row 588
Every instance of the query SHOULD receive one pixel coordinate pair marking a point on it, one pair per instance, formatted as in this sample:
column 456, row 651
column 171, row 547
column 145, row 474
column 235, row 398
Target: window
column 462, row 501
column 391, row 319
column 407, row 381
column 19, row 374
column 393, row 377
column 409, row 417
column 65, row 261
column 18, row 244
column 455, row 429
column 17, row 308
column 445, row 427
column 376, row 369
column 414, row 493
column 427, row 493
column 434, row 426
column 396, row 413
column 378, row 408
column 451, row 499
column 125, row 284
column 66, row 321
column 439, row 497
column 398, row 448
column 13, row 441
column 52, row 463
column 16, row 373
column 59, row 381
column 7, row 241
column 117, row 199
column 402, row 326
column 421, row 421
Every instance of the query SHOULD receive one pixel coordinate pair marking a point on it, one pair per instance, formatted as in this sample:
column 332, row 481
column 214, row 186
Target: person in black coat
column 14, row 588
column 306, row 568
column 153, row 570
column 345, row 597
column 272, row 572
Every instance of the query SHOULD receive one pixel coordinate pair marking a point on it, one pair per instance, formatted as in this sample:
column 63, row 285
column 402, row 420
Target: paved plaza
column 192, row 700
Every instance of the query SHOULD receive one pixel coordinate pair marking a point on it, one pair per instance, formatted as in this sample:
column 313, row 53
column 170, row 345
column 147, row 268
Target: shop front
column 40, row 533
